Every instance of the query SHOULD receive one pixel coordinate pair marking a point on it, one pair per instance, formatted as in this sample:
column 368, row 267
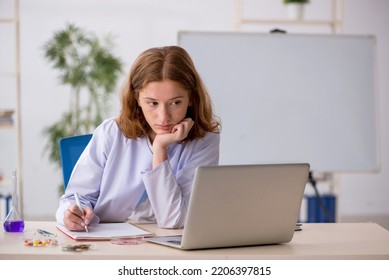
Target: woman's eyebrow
column 155, row 99
column 177, row 97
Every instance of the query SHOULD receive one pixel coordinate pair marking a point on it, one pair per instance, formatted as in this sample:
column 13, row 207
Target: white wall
column 368, row 194
column 140, row 24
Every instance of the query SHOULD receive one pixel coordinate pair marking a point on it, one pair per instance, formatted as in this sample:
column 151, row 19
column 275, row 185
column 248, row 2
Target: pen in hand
column 79, row 206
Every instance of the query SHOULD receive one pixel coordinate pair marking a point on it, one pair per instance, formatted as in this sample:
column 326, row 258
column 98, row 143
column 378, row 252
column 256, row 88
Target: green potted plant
column 295, row 8
column 88, row 67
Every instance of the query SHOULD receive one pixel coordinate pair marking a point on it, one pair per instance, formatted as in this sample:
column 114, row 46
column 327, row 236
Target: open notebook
column 241, row 205
column 105, row 231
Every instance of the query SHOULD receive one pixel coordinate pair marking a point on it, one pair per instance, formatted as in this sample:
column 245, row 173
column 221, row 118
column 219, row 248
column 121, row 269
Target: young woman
column 140, row 165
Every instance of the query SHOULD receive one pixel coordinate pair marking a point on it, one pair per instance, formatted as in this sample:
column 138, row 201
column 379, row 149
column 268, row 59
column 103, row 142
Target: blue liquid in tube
column 14, row 226
column 14, row 221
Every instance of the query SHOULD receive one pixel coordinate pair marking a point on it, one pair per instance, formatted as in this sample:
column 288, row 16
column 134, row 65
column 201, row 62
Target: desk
column 315, row 241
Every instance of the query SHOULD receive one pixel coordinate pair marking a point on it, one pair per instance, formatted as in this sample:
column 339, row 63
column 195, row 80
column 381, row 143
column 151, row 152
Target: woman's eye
column 176, row 103
column 152, row 104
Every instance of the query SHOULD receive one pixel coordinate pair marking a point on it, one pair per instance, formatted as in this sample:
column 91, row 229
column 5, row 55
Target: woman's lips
column 164, row 127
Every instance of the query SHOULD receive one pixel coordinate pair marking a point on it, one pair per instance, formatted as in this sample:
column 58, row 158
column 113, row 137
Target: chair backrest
column 70, row 149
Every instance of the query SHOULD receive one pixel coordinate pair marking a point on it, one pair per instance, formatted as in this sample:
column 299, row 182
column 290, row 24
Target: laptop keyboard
column 176, row 242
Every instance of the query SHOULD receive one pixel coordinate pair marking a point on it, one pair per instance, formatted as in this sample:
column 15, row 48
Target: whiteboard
column 291, row 98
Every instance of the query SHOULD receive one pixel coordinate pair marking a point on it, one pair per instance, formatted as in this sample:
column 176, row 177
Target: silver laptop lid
column 244, row 205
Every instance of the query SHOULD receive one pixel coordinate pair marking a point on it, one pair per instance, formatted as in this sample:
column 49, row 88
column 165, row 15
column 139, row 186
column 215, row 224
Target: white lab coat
column 113, row 172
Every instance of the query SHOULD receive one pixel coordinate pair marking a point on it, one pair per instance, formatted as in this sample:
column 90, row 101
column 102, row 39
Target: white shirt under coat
column 113, row 172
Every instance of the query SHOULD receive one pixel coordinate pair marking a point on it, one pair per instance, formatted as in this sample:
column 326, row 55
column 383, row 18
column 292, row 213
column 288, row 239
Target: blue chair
column 70, row 149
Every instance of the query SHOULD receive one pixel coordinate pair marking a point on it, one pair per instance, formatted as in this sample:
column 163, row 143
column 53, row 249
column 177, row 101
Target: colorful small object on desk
column 31, row 242
column 136, row 240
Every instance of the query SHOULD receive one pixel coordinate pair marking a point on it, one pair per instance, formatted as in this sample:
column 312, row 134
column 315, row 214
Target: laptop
column 241, row 205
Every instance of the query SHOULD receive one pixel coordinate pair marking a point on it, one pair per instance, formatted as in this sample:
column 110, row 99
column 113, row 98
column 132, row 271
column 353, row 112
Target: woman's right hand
column 75, row 219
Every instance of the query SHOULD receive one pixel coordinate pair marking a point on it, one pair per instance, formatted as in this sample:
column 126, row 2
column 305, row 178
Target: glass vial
column 14, row 221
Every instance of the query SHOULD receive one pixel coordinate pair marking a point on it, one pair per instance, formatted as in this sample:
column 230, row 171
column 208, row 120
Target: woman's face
column 164, row 104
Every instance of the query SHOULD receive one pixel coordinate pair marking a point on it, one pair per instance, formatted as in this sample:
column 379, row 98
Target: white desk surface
column 315, row 241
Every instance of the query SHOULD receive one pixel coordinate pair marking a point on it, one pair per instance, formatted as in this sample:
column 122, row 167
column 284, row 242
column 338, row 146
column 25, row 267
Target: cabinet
column 334, row 21
column 10, row 113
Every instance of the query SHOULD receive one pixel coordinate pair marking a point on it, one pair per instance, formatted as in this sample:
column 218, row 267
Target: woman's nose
column 164, row 113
